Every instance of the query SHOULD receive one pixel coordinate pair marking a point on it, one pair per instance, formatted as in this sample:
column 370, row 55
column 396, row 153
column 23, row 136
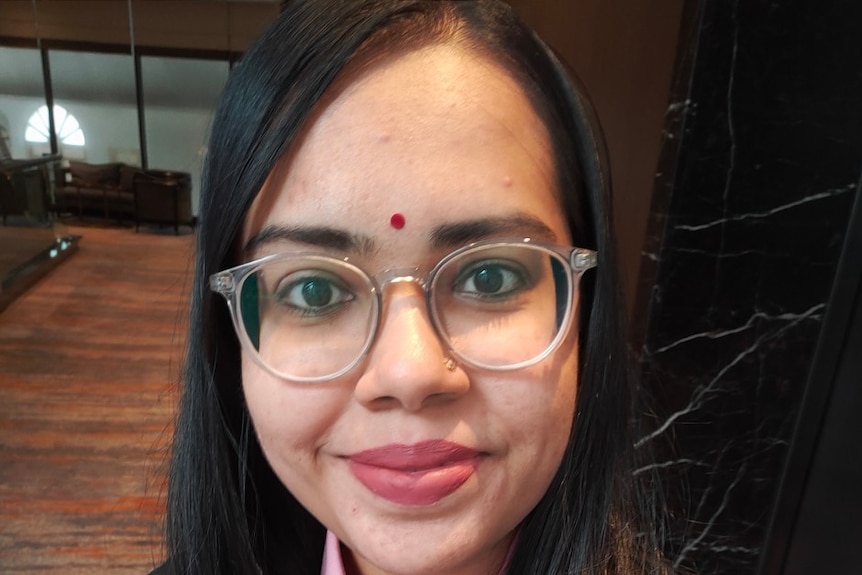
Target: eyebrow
column 461, row 233
column 443, row 236
column 318, row 236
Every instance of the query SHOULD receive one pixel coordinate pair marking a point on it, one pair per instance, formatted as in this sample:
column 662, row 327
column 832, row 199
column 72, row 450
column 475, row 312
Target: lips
column 417, row 474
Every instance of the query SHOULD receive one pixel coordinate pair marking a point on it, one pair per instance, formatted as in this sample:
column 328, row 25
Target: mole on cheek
column 507, row 182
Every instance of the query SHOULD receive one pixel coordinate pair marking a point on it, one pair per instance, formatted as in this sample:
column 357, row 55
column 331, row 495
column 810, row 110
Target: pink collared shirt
column 332, row 564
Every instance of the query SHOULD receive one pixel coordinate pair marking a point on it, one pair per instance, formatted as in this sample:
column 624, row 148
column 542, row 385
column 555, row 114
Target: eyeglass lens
column 312, row 317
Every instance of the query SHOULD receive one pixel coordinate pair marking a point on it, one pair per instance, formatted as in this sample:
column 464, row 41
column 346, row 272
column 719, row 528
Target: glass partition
column 30, row 245
column 22, row 92
column 97, row 91
column 180, row 95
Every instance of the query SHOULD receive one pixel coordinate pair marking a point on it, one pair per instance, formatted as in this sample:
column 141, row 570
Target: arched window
column 68, row 129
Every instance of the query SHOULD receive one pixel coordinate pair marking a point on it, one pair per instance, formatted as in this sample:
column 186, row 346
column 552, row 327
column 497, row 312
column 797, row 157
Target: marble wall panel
column 761, row 165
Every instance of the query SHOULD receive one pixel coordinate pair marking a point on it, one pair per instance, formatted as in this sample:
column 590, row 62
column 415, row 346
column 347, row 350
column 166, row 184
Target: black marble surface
column 760, row 169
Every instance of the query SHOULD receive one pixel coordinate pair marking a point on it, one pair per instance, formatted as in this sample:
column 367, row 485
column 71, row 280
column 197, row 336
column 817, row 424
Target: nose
column 407, row 366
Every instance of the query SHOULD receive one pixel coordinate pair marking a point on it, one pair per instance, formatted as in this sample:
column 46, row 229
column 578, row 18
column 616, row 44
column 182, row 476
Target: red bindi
column 397, row 221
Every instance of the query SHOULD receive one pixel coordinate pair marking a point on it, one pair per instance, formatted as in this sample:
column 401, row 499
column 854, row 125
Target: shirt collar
column 332, row 564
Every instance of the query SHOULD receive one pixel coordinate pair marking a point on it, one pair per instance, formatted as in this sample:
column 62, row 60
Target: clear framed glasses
column 495, row 305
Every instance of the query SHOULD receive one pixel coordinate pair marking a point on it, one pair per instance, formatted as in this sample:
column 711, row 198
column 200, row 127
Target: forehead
column 439, row 133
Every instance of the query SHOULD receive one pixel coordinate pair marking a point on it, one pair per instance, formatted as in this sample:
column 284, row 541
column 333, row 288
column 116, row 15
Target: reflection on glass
column 98, row 92
column 21, row 94
column 68, row 129
column 25, row 177
column 179, row 98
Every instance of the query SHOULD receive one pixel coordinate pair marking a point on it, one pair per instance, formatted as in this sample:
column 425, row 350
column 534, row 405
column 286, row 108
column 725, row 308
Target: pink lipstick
column 419, row 474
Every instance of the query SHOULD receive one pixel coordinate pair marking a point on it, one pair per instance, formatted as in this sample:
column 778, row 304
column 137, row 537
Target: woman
column 418, row 370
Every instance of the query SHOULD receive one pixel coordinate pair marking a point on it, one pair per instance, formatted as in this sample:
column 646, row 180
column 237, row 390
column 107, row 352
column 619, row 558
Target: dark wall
column 816, row 525
column 759, row 171
column 624, row 52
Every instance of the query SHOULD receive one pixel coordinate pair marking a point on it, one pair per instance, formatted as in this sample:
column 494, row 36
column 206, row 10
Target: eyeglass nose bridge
column 394, row 276
column 399, row 276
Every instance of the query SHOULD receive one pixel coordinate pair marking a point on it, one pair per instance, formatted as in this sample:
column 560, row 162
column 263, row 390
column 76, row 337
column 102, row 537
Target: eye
column 312, row 293
column 491, row 279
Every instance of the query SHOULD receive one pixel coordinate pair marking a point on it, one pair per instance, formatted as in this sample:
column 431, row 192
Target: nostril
column 382, row 403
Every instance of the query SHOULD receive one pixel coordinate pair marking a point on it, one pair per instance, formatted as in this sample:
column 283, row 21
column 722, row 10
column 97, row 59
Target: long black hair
column 227, row 511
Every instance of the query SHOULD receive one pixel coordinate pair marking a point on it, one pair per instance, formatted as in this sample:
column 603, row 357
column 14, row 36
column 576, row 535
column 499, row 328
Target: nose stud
column 450, row 363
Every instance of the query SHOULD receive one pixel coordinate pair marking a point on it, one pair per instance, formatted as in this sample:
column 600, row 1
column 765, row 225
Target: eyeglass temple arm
column 583, row 259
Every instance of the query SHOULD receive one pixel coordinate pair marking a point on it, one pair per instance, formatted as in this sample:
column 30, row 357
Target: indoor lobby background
column 734, row 130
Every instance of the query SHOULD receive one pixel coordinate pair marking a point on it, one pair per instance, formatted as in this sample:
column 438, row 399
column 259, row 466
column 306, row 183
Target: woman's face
column 448, row 139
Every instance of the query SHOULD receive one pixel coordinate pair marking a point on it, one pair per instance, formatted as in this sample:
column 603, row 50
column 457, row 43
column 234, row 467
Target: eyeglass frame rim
column 228, row 283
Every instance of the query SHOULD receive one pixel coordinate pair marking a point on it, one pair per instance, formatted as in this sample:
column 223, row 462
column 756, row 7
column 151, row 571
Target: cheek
column 289, row 433
column 545, row 417
column 540, row 418
column 563, row 397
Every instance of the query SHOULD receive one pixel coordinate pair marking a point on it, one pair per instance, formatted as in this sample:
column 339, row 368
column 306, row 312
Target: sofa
column 125, row 193
column 104, row 190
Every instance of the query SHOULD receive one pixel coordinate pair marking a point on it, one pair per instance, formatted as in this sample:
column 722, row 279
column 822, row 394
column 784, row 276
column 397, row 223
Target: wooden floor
column 89, row 365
